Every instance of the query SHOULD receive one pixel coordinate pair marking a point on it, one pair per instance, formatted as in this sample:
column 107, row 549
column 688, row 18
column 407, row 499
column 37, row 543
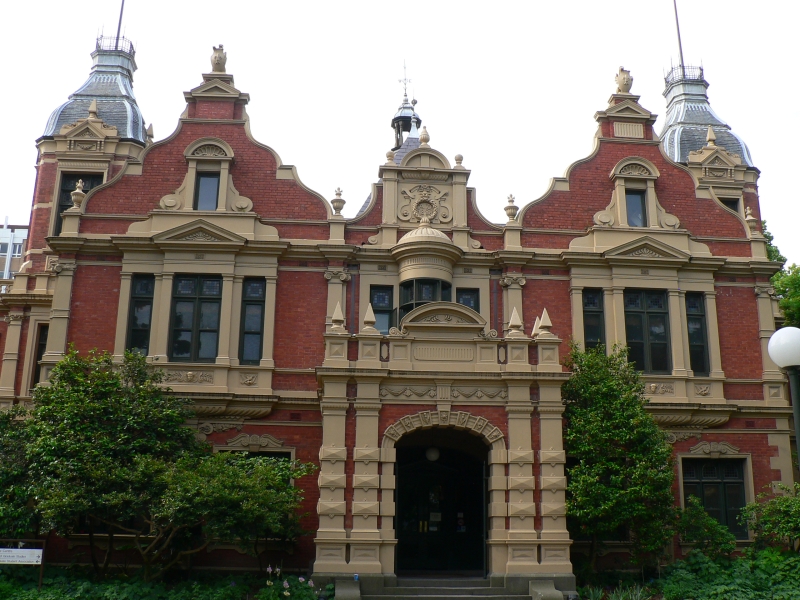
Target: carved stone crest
column 248, row 378
column 425, row 201
column 208, row 150
column 635, row 169
column 199, row 236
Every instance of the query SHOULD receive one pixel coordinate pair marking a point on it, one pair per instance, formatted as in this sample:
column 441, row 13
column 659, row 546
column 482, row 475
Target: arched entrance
column 441, row 519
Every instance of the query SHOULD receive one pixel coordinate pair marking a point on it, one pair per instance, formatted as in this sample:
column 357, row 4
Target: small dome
column 424, row 233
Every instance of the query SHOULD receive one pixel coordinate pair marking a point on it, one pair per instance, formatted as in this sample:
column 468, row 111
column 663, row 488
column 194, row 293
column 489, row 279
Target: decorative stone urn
column 624, row 81
column 218, row 60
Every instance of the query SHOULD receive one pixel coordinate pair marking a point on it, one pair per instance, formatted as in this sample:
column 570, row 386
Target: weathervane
column 405, row 80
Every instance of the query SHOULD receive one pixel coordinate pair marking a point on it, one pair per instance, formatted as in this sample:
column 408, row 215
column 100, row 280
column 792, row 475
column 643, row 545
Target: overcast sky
column 513, row 86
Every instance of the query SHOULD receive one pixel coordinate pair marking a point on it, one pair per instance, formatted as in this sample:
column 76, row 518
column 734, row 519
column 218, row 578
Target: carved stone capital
column 332, row 275
column 510, row 280
column 764, row 290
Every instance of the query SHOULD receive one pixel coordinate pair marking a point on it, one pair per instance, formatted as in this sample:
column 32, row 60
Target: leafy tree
column 787, row 287
column 105, row 447
column 623, row 472
column 775, row 519
column 772, row 250
column 708, row 535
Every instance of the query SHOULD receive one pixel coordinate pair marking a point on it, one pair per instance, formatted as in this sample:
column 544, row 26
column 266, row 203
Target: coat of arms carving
column 425, row 201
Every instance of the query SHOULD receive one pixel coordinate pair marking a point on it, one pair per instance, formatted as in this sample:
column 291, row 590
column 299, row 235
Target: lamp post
column 784, row 350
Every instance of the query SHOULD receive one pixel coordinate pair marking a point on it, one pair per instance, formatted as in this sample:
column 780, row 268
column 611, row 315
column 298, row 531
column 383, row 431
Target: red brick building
column 412, row 352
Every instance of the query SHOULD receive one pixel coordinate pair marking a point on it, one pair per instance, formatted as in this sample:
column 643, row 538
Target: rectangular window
column 16, row 250
column 195, row 318
column 141, row 313
column 637, row 208
column 647, row 330
column 68, row 183
column 696, row 328
column 593, row 322
column 206, row 191
column 41, row 347
column 469, row 297
column 416, row 292
column 382, row 299
column 3, row 249
column 731, row 203
column 254, row 293
column 719, row 484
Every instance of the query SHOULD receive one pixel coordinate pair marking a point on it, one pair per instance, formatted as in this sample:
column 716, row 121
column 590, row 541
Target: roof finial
column 369, row 321
column 515, row 325
column 405, row 81
column 93, row 110
column 424, row 138
column 624, row 81
column 711, row 137
column 338, row 202
column 678, row 28
column 511, row 209
column 337, row 319
column 218, row 60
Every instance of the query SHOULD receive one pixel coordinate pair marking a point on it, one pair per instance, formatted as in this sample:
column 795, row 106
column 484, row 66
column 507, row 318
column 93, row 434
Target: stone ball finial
column 414, row 102
column 459, row 159
column 624, row 81
column 390, row 157
column 511, row 209
column 218, row 60
column 424, row 138
column 338, row 202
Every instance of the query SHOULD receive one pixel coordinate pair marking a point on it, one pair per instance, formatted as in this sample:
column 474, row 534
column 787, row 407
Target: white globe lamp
column 784, row 350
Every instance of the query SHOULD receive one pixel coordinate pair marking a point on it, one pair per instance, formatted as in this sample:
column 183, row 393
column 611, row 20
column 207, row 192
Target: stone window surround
column 208, row 163
column 101, row 168
column 749, row 486
column 635, row 182
column 233, row 277
column 676, row 287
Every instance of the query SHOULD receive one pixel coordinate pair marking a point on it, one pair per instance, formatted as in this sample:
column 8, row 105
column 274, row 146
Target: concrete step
column 442, row 591
column 440, row 582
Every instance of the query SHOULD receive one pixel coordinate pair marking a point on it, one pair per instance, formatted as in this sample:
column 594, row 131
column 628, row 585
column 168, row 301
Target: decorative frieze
column 455, row 419
column 193, row 377
column 712, row 448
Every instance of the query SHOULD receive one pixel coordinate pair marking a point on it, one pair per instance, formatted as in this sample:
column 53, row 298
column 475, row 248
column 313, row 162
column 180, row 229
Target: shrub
column 775, row 519
column 708, row 535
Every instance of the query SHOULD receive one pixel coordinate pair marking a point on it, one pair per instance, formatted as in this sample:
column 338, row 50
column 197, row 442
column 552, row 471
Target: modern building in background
column 414, row 351
column 12, row 244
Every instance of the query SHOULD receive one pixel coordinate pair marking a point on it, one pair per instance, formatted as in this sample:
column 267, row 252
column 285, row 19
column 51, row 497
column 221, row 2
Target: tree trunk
column 593, row 555
column 92, row 551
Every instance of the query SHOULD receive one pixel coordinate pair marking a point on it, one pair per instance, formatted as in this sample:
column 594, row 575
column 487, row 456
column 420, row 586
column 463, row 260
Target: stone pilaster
column 8, row 374
column 59, row 316
column 337, row 278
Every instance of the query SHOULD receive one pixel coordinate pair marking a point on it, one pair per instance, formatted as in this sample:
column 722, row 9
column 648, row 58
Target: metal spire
column 678, row 28
column 405, row 80
column 119, row 25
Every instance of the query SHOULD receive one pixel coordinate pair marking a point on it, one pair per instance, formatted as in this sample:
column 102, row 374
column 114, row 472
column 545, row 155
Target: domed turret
column 110, row 85
column 405, row 120
column 689, row 116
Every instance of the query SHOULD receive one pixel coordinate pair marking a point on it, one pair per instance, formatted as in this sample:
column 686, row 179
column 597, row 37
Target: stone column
column 8, row 375
column 162, row 303
column 522, row 536
column 59, row 317
column 225, row 321
column 331, row 540
column 267, row 358
column 615, row 326
column 365, row 537
column 123, row 312
column 677, row 332
column 513, row 283
column 236, row 319
column 576, row 300
column 553, row 482
column 714, row 352
column 337, row 277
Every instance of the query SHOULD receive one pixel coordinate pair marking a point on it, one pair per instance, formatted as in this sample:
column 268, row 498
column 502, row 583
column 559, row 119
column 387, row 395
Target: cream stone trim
column 64, row 168
column 10, row 357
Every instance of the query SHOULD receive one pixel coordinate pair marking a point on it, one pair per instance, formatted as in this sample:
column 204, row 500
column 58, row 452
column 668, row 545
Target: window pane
column 468, row 298
column 634, row 330
column 382, row 321
column 182, row 344
column 633, row 301
column 659, row 357
column 207, row 191
column 636, row 209
column 694, row 303
column 697, row 360
column 140, row 339
column 689, row 470
column 208, row 345
column 426, row 291
column 695, row 327
column 381, row 297
column 252, row 318
column 184, row 312
column 141, row 313
column 406, row 292
column 657, row 325
column 447, row 292
column 209, row 315
column 211, row 287
column 592, row 300
column 636, row 354
column 712, row 501
column 254, row 289
column 186, row 287
column 656, row 301
column 592, row 329
column 143, row 285
column 251, row 349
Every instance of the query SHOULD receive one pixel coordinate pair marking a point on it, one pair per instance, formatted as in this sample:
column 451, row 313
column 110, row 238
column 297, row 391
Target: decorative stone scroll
column 259, row 441
column 635, row 169
column 680, row 436
column 457, row 419
column 189, row 377
column 660, row 389
column 714, row 448
column 479, row 393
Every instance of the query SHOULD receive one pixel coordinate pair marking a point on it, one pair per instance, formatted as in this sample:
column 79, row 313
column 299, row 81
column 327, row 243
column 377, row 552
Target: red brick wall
column 490, row 242
column 591, row 189
column 107, row 226
column 213, row 110
column 95, row 298
column 475, row 219
column 300, row 308
column 547, row 240
column 553, row 295
column 253, row 170
column 374, row 216
column 739, row 340
column 42, row 193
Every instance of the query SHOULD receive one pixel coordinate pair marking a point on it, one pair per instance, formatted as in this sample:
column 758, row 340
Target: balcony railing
column 105, row 42
column 684, row 73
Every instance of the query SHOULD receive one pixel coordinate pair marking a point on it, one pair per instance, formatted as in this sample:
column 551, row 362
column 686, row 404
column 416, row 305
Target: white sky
column 513, row 86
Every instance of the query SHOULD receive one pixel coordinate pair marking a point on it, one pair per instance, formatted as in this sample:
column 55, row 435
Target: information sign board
column 21, row 556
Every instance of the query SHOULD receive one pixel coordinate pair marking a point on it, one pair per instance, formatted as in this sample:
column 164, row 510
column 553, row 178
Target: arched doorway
column 441, row 519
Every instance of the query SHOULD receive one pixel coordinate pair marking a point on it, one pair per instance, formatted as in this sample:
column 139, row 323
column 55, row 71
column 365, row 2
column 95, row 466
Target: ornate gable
column 197, row 232
column 644, row 248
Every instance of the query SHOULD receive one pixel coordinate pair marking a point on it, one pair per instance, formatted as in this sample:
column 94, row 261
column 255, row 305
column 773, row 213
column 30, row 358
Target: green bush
column 776, row 519
column 708, row 535
column 291, row 588
column 766, row 574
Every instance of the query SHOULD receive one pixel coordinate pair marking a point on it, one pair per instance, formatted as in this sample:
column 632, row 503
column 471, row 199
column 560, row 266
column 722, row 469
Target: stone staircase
column 423, row 588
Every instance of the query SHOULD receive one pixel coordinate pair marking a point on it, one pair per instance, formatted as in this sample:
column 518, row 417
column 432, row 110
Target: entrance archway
column 441, row 496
